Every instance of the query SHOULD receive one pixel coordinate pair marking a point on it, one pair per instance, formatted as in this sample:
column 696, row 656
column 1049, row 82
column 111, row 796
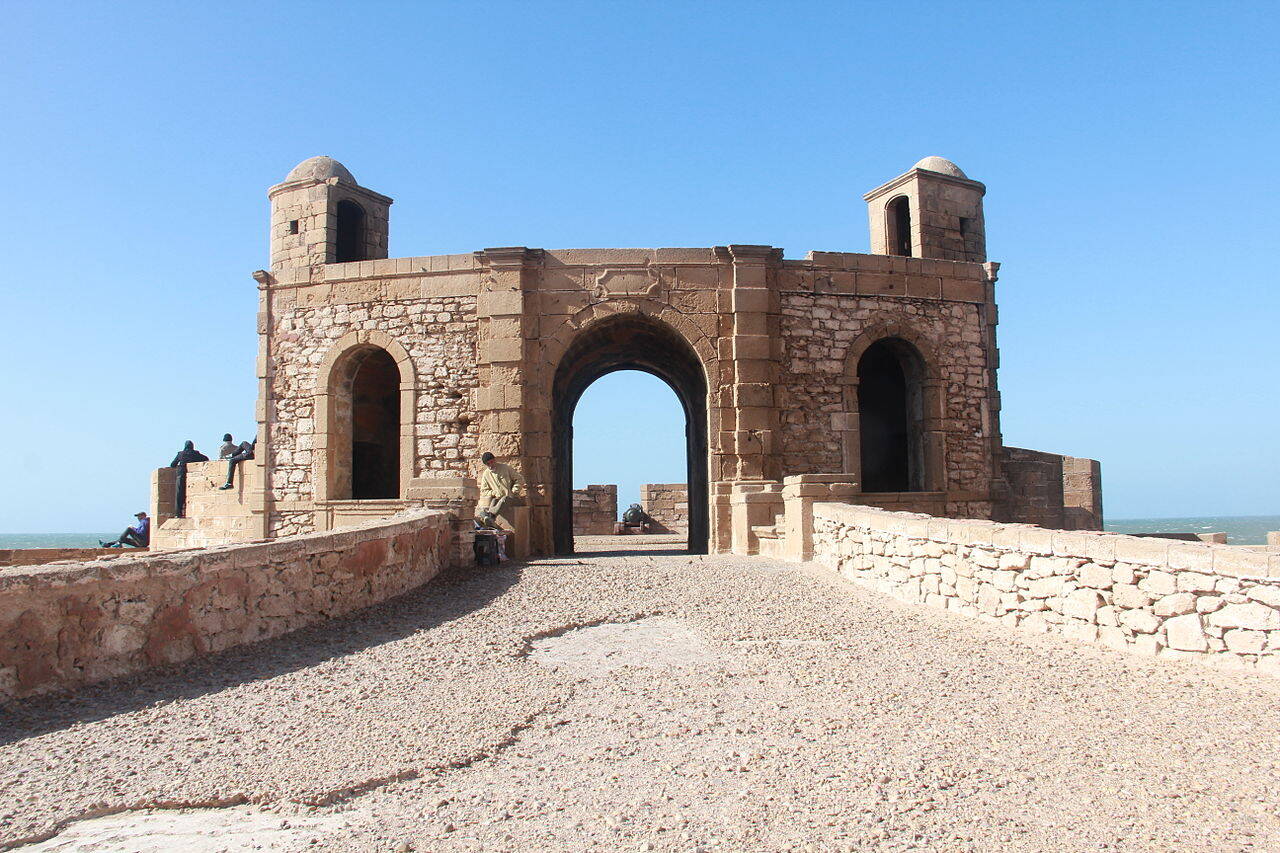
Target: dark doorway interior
column 889, row 408
column 899, row 222
column 349, row 240
column 375, row 428
column 629, row 342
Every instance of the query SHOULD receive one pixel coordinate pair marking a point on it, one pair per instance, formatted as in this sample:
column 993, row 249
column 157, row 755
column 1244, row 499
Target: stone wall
column 668, row 505
column 1215, row 603
column 213, row 516
column 69, row 624
column 40, row 556
column 595, row 510
column 1062, row 492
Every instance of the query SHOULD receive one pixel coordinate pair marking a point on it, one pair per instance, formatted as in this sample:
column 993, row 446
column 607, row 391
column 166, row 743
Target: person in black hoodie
column 187, row 454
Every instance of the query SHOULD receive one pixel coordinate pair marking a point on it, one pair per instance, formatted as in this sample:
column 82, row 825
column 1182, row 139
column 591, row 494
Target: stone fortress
column 872, row 376
column 841, row 409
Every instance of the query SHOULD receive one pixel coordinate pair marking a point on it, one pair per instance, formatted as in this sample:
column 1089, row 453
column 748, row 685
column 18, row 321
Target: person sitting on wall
column 243, row 452
column 229, row 447
column 136, row 535
column 186, row 455
column 499, row 488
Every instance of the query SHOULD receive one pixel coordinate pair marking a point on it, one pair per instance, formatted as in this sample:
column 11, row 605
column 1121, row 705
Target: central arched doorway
column 629, row 342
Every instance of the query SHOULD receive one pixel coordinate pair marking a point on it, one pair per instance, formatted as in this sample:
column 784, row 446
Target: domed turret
column 320, row 169
column 933, row 210
column 321, row 215
column 934, row 163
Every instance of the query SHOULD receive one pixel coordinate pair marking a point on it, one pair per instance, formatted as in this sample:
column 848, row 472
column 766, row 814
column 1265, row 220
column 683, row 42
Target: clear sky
column 1129, row 150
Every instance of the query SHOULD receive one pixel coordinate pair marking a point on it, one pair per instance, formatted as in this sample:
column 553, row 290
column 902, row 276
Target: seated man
column 499, row 487
column 137, row 535
column 243, row 452
column 229, row 447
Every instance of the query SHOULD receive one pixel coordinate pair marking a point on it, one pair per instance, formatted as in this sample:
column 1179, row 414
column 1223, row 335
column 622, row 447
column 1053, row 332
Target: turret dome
column 942, row 165
column 321, row 169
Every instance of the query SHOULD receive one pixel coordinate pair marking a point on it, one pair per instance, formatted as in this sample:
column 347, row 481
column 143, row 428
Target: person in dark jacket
column 187, row 454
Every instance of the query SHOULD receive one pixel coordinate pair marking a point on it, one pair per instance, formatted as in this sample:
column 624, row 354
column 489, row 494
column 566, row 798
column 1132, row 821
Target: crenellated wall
column 68, row 624
column 1213, row 603
column 668, row 505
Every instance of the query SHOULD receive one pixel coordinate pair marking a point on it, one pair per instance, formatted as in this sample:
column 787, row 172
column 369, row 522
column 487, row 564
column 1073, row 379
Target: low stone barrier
column 37, row 556
column 595, row 510
column 1187, row 600
column 668, row 505
column 68, row 624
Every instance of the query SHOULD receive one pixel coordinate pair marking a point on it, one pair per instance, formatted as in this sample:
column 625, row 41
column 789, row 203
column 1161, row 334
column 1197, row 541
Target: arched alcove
column 898, row 226
column 629, row 342
column 891, row 412
column 362, row 421
column 349, row 242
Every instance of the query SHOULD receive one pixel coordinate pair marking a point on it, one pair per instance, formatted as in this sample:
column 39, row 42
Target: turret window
column 898, row 226
column 349, row 242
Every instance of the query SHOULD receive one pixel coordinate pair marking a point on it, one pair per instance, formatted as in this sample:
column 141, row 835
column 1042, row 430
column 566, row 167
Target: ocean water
column 54, row 540
column 1240, row 529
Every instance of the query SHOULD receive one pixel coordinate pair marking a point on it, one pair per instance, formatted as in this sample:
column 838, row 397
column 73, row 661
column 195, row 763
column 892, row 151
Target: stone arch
column 602, row 339
column 332, row 450
column 919, row 359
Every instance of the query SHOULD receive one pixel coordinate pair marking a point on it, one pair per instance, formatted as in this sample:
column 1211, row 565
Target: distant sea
column 1240, row 529
column 54, row 540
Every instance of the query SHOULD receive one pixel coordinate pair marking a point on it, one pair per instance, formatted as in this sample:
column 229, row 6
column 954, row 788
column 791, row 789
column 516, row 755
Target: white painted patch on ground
column 658, row 642
column 228, row 830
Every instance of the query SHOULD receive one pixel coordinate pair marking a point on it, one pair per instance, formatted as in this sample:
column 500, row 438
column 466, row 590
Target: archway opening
column 349, row 237
column 366, row 419
column 630, row 342
column 629, row 434
column 890, row 417
column 898, row 226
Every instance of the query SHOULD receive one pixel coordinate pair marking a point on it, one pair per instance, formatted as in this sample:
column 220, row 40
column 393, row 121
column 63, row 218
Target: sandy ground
column 651, row 700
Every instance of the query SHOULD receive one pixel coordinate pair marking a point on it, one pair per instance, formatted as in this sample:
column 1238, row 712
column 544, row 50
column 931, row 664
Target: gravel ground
column 653, row 700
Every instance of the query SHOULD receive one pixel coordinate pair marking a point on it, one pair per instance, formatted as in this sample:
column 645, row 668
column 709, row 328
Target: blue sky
column 1128, row 150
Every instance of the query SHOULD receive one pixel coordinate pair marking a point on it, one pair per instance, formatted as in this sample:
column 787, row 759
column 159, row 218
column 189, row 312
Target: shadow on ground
column 450, row 595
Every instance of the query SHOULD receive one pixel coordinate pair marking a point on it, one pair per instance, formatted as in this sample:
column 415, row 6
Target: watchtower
column 931, row 211
column 320, row 215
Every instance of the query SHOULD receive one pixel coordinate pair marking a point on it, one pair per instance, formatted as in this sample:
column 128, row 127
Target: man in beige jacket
column 500, row 485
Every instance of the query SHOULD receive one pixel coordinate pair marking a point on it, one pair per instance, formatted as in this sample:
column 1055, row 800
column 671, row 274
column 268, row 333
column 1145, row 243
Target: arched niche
column 629, row 341
column 349, row 237
column 897, row 222
column 364, row 409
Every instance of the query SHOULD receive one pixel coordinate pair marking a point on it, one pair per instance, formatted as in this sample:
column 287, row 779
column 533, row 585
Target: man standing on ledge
column 499, row 488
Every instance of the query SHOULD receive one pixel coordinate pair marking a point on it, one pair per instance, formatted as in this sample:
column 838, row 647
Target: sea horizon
column 1240, row 530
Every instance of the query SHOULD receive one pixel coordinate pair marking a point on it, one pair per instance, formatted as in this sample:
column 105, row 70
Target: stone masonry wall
column 826, row 312
column 595, row 510
column 668, row 505
column 1182, row 600
column 438, row 332
column 39, row 556
column 68, row 624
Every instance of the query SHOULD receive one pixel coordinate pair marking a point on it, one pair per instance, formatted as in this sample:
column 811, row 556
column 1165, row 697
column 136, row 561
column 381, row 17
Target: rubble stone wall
column 595, row 510
column 668, row 505
column 40, row 556
column 431, row 316
column 1214, row 603
column 70, row 624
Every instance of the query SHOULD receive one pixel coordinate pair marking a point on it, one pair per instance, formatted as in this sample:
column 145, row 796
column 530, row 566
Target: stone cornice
column 911, row 174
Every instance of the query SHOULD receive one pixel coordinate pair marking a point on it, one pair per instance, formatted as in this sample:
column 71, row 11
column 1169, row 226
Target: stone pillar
column 753, row 503
column 164, row 496
column 457, row 495
column 799, row 494
column 749, row 426
column 514, row 424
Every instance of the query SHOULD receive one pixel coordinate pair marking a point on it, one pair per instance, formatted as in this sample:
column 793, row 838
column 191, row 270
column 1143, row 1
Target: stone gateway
column 382, row 380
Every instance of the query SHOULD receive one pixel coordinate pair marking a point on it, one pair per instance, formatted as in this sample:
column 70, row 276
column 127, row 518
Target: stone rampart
column 1062, row 492
column 595, row 510
column 39, row 556
column 668, row 505
column 70, row 624
column 1215, row 603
